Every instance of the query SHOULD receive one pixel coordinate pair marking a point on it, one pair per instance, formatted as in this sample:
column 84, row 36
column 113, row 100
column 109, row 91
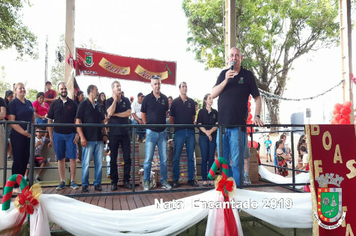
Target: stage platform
column 125, row 199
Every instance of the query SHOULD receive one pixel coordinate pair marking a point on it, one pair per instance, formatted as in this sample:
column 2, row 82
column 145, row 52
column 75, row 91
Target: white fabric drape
column 10, row 218
column 81, row 218
column 284, row 210
column 210, row 225
column 273, row 208
column 278, row 179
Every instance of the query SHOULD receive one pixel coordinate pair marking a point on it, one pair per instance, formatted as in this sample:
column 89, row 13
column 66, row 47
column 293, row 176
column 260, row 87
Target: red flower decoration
column 27, row 202
column 225, row 186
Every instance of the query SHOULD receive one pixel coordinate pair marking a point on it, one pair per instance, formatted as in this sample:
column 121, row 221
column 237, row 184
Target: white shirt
column 136, row 109
column 305, row 159
column 38, row 149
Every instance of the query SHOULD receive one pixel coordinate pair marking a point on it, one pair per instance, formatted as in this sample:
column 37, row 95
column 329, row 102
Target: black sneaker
column 127, row 185
column 193, row 183
column 175, row 184
column 113, row 186
column 98, row 187
column 85, row 188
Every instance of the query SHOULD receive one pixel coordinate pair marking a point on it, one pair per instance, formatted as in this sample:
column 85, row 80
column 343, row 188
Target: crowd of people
column 233, row 87
column 283, row 154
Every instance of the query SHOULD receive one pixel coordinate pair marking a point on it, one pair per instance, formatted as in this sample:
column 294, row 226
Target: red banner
column 332, row 178
column 94, row 63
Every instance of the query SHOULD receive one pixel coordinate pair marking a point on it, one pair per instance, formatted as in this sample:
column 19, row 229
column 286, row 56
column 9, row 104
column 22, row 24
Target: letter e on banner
column 318, row 168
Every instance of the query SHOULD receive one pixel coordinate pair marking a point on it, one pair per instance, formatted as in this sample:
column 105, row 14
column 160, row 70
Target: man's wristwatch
column 258, row 116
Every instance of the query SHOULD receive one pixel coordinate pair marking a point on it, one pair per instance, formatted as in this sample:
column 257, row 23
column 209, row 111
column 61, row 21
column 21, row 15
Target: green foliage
column 199, row 101
column 3, row 84
column 57, row 71
column 31, row 94
column 270, row 33
column 12, row 30
column 206, row 36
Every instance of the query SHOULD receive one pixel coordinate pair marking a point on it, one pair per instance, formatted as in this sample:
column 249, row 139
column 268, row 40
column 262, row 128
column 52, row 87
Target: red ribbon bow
column 225, row 186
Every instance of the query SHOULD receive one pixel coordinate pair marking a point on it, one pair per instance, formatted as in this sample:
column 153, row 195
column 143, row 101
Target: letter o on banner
column 327, row 135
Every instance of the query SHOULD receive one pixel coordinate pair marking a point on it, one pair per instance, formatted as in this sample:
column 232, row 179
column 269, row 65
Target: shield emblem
column 88, row 60
column 329, row 204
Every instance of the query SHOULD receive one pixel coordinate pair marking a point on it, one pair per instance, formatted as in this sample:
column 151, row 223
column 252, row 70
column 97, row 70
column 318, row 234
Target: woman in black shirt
column 207, row 136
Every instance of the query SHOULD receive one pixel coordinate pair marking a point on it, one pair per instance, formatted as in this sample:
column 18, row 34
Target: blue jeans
column 96, row 149
column 231, row 148
column 41, row 121
column 139, row 131
column 207, row 149
column 186, row 136
column 169, row 129
column 152, row 139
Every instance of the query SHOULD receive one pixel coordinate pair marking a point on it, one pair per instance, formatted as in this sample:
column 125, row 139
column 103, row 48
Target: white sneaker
column 146, row 185
column 166, row 185
column 247, row 180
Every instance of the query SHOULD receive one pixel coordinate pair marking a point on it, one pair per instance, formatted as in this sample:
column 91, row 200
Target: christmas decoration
column 342, row 113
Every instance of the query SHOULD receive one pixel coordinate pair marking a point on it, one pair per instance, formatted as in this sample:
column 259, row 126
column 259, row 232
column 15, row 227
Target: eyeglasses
column 156, row 77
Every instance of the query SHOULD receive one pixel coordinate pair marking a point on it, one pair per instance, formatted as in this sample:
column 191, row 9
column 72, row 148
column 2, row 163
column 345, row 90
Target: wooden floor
column 125, row 199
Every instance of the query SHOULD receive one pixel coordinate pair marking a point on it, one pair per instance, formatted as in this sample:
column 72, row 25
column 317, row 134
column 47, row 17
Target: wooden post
column 69, row 44
column 349, row 42
column 230, row 27
column 46, row 65
column 343, row 56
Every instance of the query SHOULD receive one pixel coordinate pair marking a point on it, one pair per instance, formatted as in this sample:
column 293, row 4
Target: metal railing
column 221, row 130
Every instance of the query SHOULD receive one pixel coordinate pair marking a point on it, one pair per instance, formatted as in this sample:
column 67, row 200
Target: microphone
column 232, row 65
column 231, row 68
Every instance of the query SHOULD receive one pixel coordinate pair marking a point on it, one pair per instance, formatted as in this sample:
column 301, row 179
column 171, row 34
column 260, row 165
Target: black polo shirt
column 183, row 112
column 155, row 109
column 89, row 113
column 233, row 100
column 63, row 112
column 121, row 106
column 207, row 118
column 21, row 111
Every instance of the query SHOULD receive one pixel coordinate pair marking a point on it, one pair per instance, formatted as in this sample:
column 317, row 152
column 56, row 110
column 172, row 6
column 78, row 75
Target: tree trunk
column 273, row 109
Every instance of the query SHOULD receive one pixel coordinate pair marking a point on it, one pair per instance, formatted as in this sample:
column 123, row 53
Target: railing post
column 221, row 146
column 251, row 135
column 133, row 159
column 293, row 165
column 241, row 158
column 32, row 154
column 5, row 156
